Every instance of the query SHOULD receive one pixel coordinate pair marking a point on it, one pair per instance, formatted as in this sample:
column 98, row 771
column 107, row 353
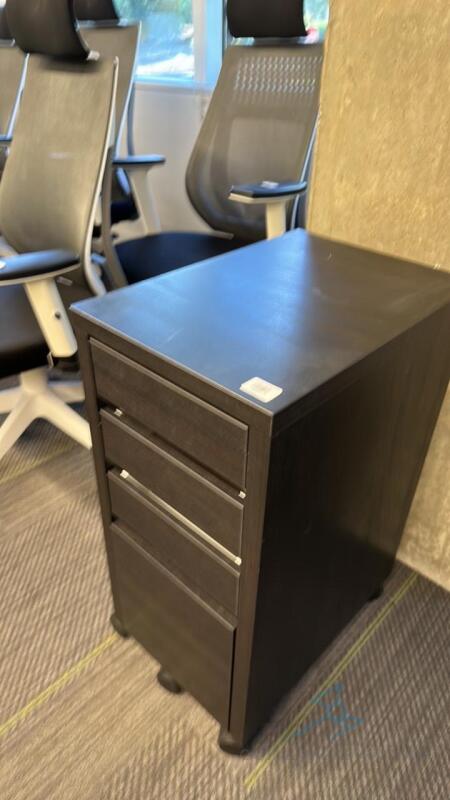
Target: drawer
column 186, row 636
column 189, row 494
column 207, row 435
column 171, row 544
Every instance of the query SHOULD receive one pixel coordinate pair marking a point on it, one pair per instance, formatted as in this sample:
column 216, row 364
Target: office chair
column 48, row 196
column 132, row 199
column 12, row 74
column 252, row 154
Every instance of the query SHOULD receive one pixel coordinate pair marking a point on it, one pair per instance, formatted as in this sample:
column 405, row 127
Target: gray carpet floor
column 81, row 713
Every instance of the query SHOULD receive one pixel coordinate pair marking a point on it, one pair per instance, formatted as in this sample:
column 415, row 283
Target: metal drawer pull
column 159, row 503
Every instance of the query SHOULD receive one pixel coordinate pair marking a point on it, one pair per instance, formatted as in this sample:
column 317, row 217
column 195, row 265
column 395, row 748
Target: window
column 181, row 40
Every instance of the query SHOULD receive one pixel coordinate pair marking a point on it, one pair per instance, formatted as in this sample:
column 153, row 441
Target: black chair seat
column 123, row 210
column 22, row 346
column 163, row 252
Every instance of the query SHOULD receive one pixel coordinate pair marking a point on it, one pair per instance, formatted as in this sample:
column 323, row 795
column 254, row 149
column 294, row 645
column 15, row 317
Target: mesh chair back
column 259, row 126
column 12, row 70
column 52, row 176
column 121, row 41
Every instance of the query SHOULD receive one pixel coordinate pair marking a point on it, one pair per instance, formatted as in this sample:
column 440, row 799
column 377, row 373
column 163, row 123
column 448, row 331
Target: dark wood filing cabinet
column 244, row 532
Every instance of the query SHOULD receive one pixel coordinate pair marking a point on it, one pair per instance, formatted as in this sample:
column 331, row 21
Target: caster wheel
column 169, row 683
column 118, row 627
column 229, row 745
column 377, row 594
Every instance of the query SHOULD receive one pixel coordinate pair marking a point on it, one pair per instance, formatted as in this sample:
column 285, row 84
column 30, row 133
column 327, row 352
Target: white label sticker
column 261, row 389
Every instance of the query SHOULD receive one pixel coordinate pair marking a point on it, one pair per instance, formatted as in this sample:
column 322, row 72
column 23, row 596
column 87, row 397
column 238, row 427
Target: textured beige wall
column 381, row 180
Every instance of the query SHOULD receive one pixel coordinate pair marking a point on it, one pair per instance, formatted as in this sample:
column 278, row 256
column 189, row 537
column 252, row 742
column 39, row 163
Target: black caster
column 169, row 683
column 377, row 594
column 118, row 627
column 229, row 745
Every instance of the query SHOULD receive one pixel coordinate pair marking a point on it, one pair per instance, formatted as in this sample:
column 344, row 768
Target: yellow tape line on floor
column 254, row 776
column 73, row 672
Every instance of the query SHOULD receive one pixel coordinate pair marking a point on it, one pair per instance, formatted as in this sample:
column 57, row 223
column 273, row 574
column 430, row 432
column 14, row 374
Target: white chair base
column 38, row 398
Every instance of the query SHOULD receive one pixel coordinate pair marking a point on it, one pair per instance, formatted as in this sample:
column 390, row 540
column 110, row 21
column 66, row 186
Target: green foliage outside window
column 316, row 11
column 316, row 14
column 138, row 9
column 167, row 39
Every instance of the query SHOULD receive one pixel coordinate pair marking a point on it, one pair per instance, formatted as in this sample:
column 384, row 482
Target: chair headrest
column 96, row 10
column 5, row 33
column 47, row 27
column 260, row 19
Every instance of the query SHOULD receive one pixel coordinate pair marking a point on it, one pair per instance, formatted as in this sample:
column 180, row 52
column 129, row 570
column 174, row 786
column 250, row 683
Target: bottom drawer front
column 179, row 630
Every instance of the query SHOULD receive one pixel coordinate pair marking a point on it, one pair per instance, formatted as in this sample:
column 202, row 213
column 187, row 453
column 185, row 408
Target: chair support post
column 52, row 317
column 145, row 201
column 275, row 219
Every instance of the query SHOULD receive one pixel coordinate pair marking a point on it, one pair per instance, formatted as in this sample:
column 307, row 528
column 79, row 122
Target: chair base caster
column 229, row 745
column 119, row 627
column 167, row 682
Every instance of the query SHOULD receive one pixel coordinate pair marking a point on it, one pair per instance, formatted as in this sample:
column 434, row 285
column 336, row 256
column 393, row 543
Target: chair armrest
column 129, row 163
column 37, row 266
column 274, row 196
column 267, row 192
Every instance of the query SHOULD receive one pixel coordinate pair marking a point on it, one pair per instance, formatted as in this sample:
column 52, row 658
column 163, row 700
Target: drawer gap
column 197, row 503
column 234, row 492
column 202, row 594
column 191, row 528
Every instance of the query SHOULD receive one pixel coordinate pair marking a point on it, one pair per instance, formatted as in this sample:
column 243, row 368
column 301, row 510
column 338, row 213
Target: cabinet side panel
column 341, row 482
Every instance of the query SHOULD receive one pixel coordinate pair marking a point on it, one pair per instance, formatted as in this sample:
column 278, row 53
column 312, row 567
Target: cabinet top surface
column 295, row 311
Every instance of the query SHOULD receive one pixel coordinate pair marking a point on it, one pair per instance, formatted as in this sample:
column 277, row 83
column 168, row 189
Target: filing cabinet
column 259, row 425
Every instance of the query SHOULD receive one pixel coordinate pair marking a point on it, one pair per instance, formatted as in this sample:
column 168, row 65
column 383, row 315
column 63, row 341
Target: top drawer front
column 204, row 433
